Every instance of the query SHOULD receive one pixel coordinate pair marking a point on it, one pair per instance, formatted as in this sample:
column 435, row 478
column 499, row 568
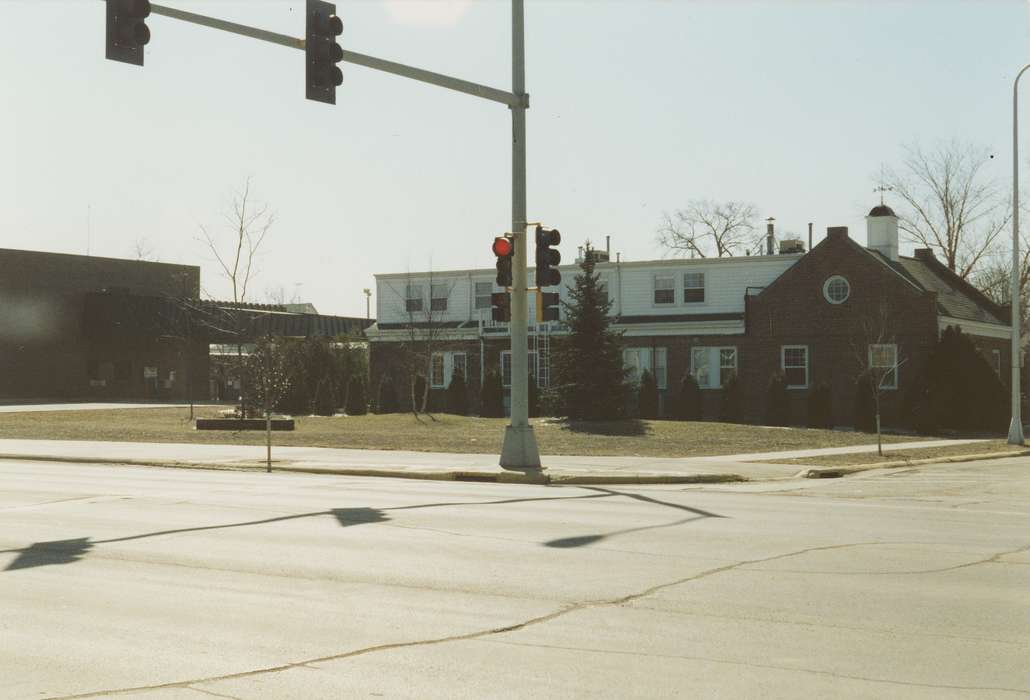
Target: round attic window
column 836, row 290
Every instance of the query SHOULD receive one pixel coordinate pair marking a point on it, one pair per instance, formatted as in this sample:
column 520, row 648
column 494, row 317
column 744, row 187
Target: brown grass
column 850, row 460
column 443, row 433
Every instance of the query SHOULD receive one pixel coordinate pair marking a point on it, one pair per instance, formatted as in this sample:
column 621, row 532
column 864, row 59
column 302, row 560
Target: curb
column 837, row 472
column 507, row 477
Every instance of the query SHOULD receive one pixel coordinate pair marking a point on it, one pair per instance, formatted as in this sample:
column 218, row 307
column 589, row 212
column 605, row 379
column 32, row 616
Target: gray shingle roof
column 953, row 296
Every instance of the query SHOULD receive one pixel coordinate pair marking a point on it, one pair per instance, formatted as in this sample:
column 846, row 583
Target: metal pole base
column 1015, row 432
column 519, row 451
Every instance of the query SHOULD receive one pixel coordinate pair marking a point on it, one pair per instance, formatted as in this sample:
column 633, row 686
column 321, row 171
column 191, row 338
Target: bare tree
column 705, row 227
column 143, row 249
column 949, row 203
column 878, row 358
column 423, row 330
column 248, row 224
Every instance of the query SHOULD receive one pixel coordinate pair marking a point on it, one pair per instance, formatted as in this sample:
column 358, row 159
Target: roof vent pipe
column 608, row 246
column 769, row 236
column 810, row 235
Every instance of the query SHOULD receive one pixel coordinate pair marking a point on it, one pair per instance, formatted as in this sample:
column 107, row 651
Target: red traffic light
column 503, row 247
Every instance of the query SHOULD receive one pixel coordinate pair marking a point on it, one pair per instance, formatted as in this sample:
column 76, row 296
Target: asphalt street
column 180, row 583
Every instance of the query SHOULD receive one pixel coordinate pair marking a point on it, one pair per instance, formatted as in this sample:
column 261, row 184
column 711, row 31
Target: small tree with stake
column 268, row 380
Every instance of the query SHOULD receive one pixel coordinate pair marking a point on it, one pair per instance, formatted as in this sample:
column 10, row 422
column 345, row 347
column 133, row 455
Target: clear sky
column 636, row 107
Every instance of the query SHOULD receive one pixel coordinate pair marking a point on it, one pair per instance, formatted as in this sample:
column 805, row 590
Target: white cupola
column 882, row 231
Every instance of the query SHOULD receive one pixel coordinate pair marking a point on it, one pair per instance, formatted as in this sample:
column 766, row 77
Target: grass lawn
column 444, row 434
column 850, row 460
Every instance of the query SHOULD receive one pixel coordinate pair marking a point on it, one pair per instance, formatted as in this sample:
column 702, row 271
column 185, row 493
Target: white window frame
column 482, row 300
column 464, row 367
column 826, row 289
column 410, row 299
column 433, row 298
column 807, row 365
column 655, row 289
column 713, row 364
column 702, row 287
column 432, row 370
column 893, row 368
column 653, row 359
column 506, row 364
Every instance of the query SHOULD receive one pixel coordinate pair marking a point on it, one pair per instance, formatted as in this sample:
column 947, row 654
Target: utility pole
column 520, row 449
column 1016, row 424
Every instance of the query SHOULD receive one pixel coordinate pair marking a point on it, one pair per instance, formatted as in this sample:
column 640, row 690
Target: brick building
column 819, row 316
column 84, row 327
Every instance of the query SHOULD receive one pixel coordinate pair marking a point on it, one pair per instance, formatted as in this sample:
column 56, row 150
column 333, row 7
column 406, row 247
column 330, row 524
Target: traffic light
column 504, row 249
column 546, row 306
column 500, row 306
column 547, row 258
column 321, row 52
column 127, row 33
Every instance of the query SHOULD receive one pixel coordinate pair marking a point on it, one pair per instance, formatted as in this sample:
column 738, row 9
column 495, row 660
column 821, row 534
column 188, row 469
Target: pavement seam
column 564, row 610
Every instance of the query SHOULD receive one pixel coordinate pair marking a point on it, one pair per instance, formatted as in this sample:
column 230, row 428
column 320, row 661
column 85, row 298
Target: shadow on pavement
column 585, row 540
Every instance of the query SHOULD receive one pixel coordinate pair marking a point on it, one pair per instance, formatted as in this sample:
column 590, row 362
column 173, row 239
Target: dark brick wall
column 43, row 345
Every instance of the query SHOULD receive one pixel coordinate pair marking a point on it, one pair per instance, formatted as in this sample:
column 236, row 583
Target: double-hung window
column 693, row 287
column 413, row 297
column 653, row 360
column 438, row 300
column 794, row 362
column 664, row 289
column 883, row 361
column 443, row 367
column 483, row 291
column 436, row 370
column 712, row 367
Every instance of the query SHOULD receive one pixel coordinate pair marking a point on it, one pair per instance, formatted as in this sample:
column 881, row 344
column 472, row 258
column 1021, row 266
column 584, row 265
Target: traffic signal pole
column 520, row 449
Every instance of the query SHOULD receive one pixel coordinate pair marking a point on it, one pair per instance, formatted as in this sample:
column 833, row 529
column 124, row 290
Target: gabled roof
column 955, row 296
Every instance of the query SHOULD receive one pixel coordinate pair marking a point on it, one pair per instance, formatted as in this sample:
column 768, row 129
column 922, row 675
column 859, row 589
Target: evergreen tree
column 589, row 381
column 688, row 400
column 491, row 397
column 648, row 396
column 729, row 408
column 777, row 405
column 963, row 389
column 457, row 395
column 387, row 402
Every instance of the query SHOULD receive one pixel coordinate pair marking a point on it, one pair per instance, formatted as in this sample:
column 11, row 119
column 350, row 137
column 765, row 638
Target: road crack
column 515, row 627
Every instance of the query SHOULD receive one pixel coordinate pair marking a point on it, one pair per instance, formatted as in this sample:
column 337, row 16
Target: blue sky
column 636, row 107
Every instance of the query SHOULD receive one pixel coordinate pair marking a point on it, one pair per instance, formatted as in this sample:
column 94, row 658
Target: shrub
column 534, row 397
column 420, row 391
column 820, row 406
column 729, row 407
column 777, row 402
column 917, row 412
column 865, row 406
column 491, row 397
column 688, row 400
column 357, row 403
column 387, row 401
column 647, row 396
column 457, row 395
column 964, row 391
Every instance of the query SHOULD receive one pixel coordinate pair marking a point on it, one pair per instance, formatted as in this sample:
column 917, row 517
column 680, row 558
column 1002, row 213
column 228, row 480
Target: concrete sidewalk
column 436, row 465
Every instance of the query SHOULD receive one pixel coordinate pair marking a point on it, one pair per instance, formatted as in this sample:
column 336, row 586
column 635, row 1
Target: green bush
column 917, row 412
column 457, row 395
column 820, row 406
column 357, row 403
column 647, row 396
column 777, row 401
column 491, row 396
column 729, row 406
column 387, row 400
column 688, row 400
